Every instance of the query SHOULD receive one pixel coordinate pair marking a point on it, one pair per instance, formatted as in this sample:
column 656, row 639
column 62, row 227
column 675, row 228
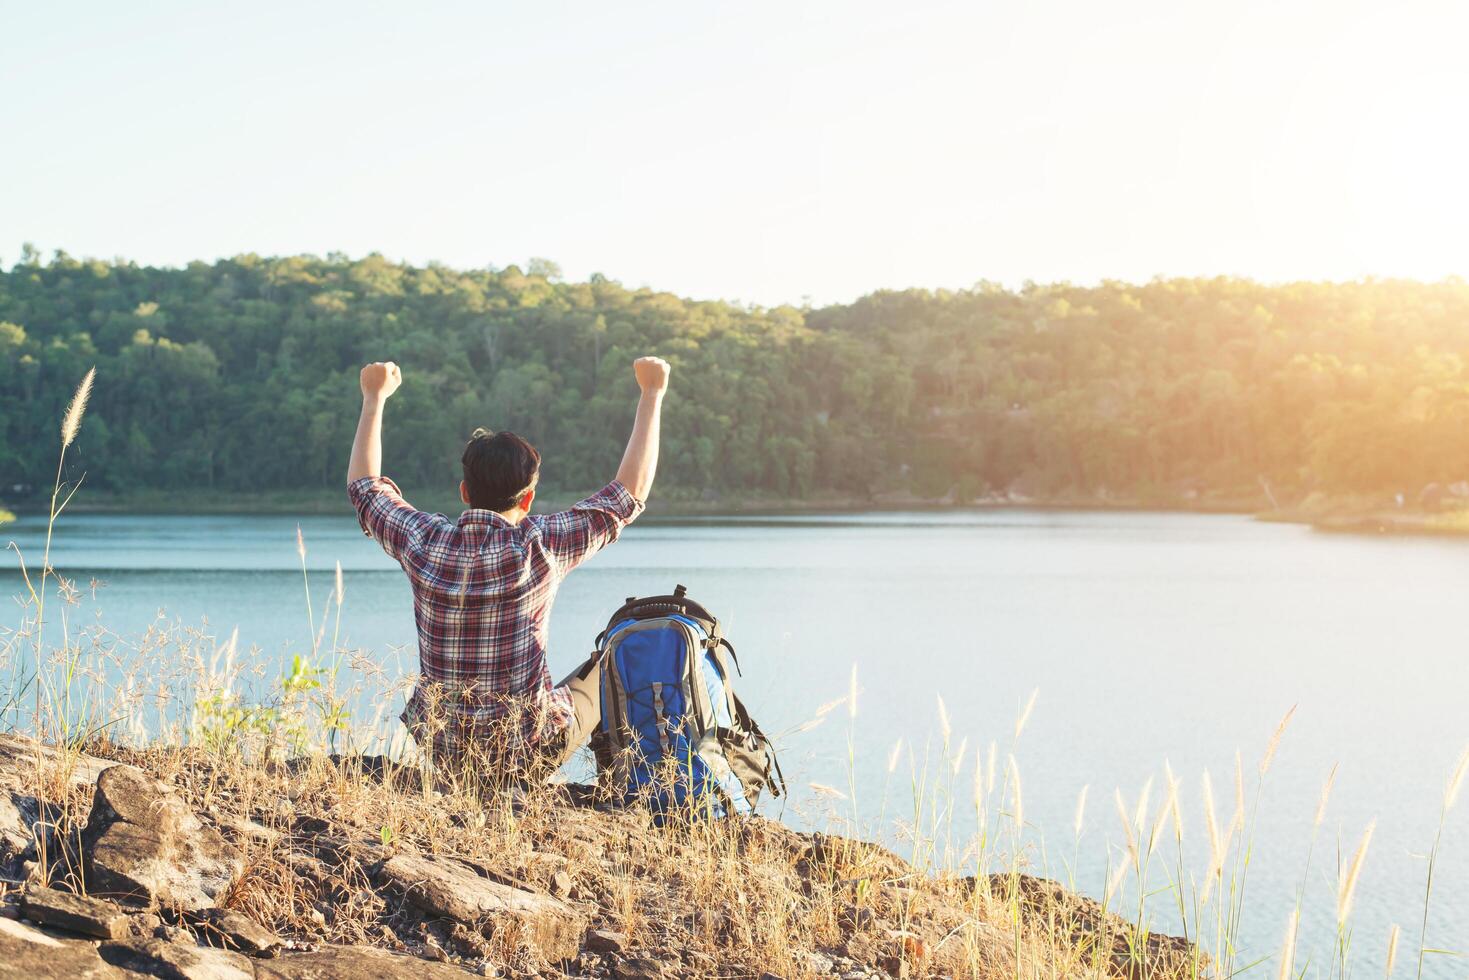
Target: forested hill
column 241, row 376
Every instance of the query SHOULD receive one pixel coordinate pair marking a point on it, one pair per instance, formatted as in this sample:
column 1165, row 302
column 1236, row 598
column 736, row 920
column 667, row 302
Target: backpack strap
column 772, row 762
column 714, row 643
column 592, row 660
column 779, row 776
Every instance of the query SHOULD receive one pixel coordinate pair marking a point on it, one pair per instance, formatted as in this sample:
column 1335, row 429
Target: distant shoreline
column 1332, row 518
column 204, row 503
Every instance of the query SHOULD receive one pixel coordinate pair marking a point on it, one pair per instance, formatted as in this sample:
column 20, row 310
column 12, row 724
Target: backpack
column 674, row 734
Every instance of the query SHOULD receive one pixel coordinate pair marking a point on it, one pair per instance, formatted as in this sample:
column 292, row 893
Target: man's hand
column 380, row 379
column 640, row 461
column 652, row 374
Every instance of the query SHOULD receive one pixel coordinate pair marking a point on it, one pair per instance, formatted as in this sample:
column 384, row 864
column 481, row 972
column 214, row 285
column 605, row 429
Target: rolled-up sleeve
column 385, row 516
column 572, row 536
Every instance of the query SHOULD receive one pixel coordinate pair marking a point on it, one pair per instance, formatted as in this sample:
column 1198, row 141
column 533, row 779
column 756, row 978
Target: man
column 483, row 585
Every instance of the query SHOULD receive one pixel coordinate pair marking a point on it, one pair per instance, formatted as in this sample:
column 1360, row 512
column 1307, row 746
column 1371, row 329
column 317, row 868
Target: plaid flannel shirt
column 482, row 594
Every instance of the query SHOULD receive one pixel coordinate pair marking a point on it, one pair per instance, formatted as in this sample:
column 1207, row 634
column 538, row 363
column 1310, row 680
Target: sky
column 759, row 152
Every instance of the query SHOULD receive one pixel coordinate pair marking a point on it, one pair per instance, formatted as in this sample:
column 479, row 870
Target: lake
column 1150, row 637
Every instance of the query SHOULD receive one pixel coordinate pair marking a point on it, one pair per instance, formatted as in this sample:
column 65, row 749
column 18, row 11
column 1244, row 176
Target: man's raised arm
column 379, row 380
column 640, row 460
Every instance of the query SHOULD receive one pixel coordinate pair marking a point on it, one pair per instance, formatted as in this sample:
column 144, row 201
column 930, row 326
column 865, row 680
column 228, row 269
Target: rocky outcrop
column 30, row 953
column 26, row 765
column 176, row 961
column 452, row 890
column 27, row 953
column 548, row 887
column 74, row 913
column 17, row 816
column 142, row 844
column 229, row 929
column 353, row 963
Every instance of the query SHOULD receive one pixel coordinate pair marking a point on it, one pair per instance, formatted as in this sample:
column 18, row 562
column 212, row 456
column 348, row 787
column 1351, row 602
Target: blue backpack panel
column 675, row 734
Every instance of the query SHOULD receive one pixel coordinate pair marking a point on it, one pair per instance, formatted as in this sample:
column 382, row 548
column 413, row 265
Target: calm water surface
column 1149, row 637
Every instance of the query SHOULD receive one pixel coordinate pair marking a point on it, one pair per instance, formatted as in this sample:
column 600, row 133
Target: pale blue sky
column 758, row 151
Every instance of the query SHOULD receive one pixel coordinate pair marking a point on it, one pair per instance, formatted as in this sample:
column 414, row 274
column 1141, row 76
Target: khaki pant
column 585, row 687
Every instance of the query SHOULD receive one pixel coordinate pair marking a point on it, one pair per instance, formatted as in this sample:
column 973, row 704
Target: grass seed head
column 1325, row 798
column 1288, row 950
column 1456, row 782
column 1269, row 755
column 1126, row 821
column 1025, row 713
column 1392, row 950
column 1016, row 800
column 71, row 422
column 1211, row 823
column 1114, row 883
column 1177, row 811
column 1237, row 821
column 1141, row 816
column 1347, row 887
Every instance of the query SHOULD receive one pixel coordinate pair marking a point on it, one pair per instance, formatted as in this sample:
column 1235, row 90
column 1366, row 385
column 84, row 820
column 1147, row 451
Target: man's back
column 482, row 595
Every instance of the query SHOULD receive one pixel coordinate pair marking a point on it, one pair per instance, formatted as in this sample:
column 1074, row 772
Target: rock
column 468, row 942
column 308, row 867
column 449, row 889
column 144, row 924
column 638, row 968
column 605, row 941
column 229, row 929
column 20, row 756
column 818, row 963
column 176, row 961
column 74, row 913
column 250, row 830
column 708, row 923
column 27, row 953
column 15, row 830
column 143, row 844
column 25, row 764
column 855, row 917
column 912, row 945
column 353, row 963
column 771, row 976
column 975, row 948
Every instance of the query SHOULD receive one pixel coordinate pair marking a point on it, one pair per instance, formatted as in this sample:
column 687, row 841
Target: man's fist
column 652, row 373
column 380, row 379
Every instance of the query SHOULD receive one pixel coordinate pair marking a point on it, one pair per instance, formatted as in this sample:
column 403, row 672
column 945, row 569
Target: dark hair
column 498, row 468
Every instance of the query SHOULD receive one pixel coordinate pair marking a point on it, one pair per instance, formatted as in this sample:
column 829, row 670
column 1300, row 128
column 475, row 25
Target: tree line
column 241, row 376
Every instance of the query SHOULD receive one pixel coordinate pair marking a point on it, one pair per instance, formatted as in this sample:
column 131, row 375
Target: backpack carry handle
column 651, row 607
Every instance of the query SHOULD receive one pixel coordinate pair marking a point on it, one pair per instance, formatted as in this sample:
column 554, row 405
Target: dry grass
column 728, row 898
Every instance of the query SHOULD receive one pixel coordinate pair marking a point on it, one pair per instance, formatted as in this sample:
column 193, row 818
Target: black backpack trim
column 653, row 606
